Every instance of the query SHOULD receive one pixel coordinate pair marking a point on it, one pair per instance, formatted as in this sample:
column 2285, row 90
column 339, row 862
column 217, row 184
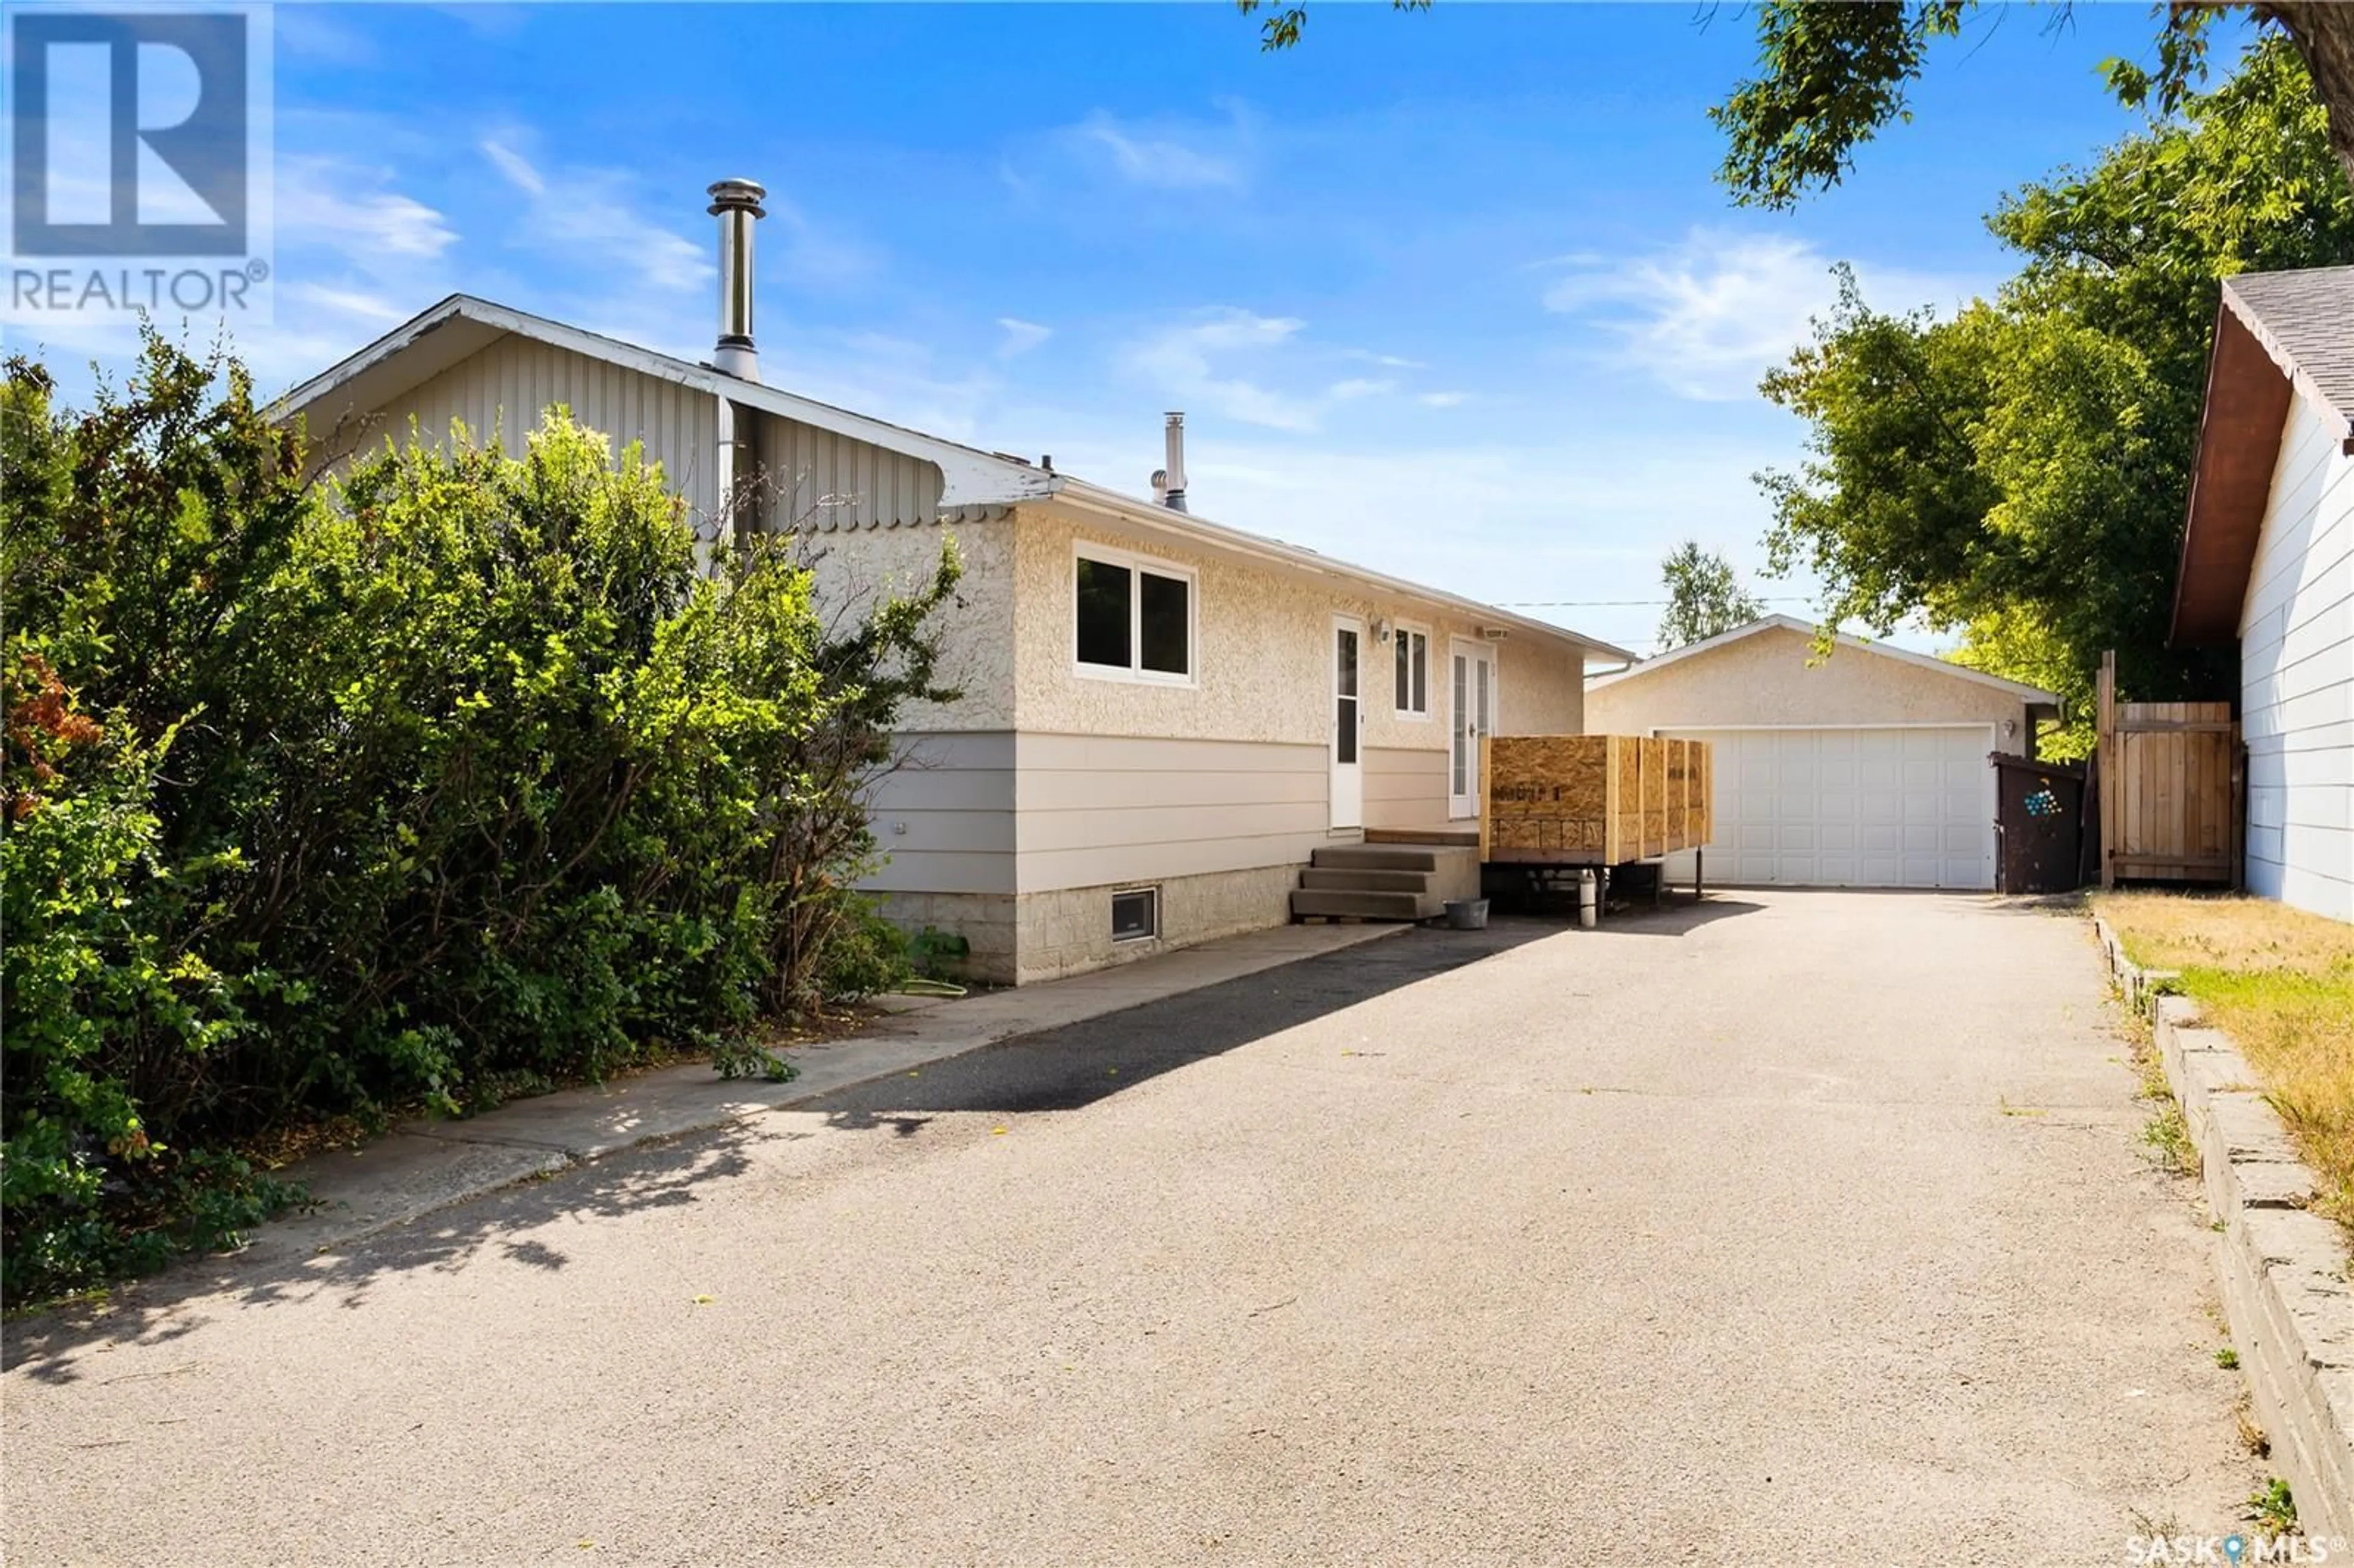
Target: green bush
column 865, row 955
column 447, row 776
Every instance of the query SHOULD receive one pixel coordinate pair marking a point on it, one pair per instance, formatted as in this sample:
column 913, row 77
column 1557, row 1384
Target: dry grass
column 2281, row 983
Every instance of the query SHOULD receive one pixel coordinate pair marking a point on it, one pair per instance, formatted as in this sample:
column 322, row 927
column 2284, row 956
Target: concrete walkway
column 429, row 1165
column 1796, row 1228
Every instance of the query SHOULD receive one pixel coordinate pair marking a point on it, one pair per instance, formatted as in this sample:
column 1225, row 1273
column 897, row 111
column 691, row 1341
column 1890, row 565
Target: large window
column 1135, row 617
column 1412, row 672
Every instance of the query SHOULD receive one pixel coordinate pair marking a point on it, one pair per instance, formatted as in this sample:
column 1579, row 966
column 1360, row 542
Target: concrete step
column 1364, row 906
column 1452, row 836
column 1359, row 879
column 1373, row 857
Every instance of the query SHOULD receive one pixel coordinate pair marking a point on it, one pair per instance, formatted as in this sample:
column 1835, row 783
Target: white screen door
column 1470, row 714
column 1348, row 715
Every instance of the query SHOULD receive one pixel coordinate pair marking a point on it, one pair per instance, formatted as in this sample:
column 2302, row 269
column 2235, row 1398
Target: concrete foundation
column 1023, row 939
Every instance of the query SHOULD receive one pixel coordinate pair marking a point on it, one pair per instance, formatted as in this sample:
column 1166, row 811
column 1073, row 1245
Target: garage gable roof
column 2024, row 693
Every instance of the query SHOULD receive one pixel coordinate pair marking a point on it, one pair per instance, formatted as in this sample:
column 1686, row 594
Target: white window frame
column 1159, row 567
column 1152, row 894
column 1399, row 630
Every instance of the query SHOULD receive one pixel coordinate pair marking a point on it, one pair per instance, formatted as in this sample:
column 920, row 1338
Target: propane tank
column 1589, row 898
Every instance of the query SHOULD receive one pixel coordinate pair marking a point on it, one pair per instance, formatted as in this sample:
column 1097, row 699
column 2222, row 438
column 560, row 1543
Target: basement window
column 1134, row 618
column 1135, row 914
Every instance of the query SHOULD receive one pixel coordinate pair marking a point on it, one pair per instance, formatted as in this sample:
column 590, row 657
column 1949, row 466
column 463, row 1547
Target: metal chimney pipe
column 1171, row 481
column 736, row 204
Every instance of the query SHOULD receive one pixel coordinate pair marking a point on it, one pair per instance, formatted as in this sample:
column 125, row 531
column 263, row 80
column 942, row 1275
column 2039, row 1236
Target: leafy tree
column 2020, row 471
column 431, row 782
column 1704, row 597
column 1832, row 73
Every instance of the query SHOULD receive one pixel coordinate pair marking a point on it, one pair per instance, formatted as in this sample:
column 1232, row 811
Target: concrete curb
column 2282, row 1268
column 425, row 1166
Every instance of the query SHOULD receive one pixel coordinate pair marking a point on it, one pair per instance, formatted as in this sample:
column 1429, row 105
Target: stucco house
column 1867, row 768
column 1162, row 719
column 2268, row 562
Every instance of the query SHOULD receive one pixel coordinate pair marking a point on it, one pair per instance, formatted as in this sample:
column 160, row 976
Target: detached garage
column 1867, row 769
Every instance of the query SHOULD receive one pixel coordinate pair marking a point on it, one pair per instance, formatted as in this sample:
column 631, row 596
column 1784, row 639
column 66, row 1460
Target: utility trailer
column 1556, row 805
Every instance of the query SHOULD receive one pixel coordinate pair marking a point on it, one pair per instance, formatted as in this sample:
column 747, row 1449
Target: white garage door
column 1851, row 808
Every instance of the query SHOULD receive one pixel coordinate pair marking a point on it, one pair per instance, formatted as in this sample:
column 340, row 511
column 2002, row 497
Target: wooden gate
column 2172, row 783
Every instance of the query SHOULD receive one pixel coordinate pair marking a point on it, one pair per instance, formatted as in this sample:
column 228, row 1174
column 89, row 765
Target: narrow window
column 1135, row 914
column 1412, row 672
column 1165, row 614
column 1104, row 614
column 1344, row 691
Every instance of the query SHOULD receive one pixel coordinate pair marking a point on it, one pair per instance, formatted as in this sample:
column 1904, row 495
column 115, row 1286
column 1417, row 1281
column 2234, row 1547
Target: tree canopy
column 1704, row 597
column 1832, row 74
column 2020, row 470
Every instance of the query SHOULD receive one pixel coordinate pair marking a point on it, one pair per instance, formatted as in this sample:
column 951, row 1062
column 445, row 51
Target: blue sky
column 1453, row 294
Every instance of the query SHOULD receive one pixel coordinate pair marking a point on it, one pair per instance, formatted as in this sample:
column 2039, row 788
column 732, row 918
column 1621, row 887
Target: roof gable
column 462, row 325
column 1765, row 623
column 2277, row 335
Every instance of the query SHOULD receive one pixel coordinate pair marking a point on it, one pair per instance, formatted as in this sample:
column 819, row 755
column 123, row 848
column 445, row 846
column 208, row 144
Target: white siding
column 1094, row 811
column 821, row 479
column 824, row 481
column 944, row 817
column 501, row 393
column 2297, row 675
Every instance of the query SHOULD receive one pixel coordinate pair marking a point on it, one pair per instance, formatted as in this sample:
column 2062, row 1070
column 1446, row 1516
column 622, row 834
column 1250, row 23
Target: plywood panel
column 1587, row 799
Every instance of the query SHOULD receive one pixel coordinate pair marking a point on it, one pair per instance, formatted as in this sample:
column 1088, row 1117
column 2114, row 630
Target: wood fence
column 2172, row 782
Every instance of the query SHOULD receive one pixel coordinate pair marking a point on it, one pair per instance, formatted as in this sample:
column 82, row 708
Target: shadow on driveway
column 1060, row 1069
column 1066, row 1068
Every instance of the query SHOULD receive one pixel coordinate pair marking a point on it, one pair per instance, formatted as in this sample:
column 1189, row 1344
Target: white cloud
column 1189, row 361
column 577, row 212
column 1709, row 316
column 1168, row 157
column 516, row 167
column 1386, row 361
column 1444, row 399
column 1358, row 387
column 328, row 203
column 345, row 302
column 1021, row 336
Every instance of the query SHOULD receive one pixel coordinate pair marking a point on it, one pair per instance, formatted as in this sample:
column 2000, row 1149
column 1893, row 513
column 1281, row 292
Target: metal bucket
column 1466, row 913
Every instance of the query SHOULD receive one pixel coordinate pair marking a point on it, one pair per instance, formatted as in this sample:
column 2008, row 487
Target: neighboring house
column 1160, row 717
column 1867, row 768
column 2268, row 560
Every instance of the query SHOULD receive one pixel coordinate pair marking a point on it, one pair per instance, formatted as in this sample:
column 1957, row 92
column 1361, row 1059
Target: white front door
column 1348, row 723
column 1900, row 807
column 1470, row 714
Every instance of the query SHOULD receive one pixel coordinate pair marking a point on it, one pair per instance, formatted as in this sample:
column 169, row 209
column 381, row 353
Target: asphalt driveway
column 1796, row 1227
